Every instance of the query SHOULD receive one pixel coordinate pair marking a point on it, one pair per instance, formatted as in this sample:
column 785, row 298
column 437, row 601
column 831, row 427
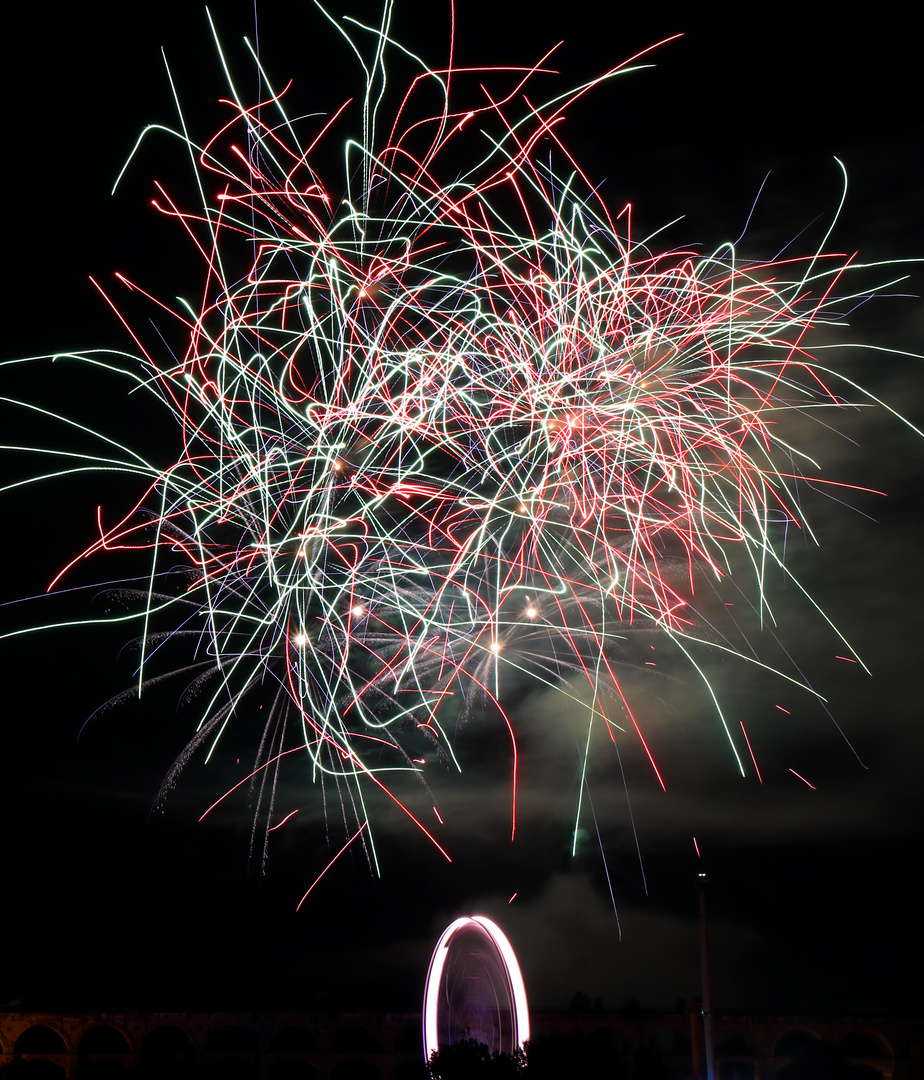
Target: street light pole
column 702, row 880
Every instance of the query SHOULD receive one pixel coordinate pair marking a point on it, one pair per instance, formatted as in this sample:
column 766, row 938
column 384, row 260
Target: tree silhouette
column 470, row 1059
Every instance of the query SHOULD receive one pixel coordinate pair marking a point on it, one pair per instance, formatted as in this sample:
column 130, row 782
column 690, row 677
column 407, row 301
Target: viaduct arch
column 386, row 1046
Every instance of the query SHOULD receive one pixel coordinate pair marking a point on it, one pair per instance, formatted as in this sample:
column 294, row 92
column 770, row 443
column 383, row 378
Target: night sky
column 814, row 896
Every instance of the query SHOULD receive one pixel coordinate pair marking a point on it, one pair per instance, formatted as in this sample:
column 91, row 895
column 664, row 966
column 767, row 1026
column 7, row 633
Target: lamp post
column 702, row 880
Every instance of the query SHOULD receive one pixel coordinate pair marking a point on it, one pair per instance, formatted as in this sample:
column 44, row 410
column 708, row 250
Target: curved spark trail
column 453, row 425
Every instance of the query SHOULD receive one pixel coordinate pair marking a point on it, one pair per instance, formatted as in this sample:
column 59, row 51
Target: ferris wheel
column 474, row 989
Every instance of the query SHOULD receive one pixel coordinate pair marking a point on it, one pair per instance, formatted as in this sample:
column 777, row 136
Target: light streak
column 751, row 751
column 802, row 778
column 291, row 814
column 330, row 864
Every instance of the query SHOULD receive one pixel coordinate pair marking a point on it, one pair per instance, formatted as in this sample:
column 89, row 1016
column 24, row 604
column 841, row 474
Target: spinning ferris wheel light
column 474, row 989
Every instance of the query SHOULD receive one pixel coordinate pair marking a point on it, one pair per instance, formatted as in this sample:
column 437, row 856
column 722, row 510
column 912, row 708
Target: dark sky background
column 814, row 901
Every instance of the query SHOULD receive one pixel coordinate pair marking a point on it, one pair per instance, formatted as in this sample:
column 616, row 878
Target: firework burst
column 453, row 426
